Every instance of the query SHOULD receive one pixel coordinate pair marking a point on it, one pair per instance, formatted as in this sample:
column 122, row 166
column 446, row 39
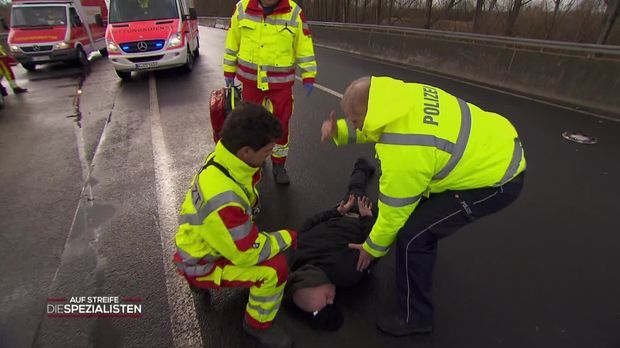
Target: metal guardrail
column 567, row 48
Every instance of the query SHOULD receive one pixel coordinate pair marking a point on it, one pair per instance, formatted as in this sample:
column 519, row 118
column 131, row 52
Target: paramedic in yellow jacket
column 218, row 243
column 447, row 159
column 7, row 72
column 266, row 40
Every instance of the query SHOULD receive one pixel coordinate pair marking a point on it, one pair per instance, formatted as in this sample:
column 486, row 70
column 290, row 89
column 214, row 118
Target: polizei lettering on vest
column 431, row 105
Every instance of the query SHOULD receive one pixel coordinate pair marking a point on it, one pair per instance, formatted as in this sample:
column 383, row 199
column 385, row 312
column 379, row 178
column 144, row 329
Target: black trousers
column 435, row 218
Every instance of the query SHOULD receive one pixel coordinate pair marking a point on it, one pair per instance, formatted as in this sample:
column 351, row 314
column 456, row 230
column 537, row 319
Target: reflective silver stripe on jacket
column 258, row 19
column 230, row 62
column 242, row 231
column 278, row 79
column 307, row 59
column 246, row 75
column 242, row 15
column 271, row 68
column 280, row 239
column 308, row 69
column 513, row 167
column 231, row 52
column 266, row 299
column 196, row 270
column 352, row 133
column 397, row 202
column 461, row 142
column 418, row 140
column 211, row 205
column 265, row 252
column 190, row 260
column 455, row 150
column 374, row 246
column 262, row 311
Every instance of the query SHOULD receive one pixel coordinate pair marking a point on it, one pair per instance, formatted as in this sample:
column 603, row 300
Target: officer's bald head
column 355, row 101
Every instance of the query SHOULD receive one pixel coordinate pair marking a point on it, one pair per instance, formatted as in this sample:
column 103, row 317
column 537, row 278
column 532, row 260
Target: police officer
column 265, row 41
column 447, row 159
column 218, row 243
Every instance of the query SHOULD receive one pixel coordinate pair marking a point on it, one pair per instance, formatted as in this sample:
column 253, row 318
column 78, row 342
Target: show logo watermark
column 94, row 306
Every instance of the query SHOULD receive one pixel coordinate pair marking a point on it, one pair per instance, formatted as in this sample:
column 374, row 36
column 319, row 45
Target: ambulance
column 152, row 35
column 45, row 31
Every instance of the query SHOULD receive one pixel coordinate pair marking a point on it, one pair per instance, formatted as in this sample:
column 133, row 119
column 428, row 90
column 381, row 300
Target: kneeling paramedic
column 218, row 244
column 451, row 160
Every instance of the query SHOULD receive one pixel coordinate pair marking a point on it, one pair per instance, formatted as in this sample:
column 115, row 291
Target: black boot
column 3, row 91
column 273, row 337
column 396, row 326
column 280, row 174
column 19, row 90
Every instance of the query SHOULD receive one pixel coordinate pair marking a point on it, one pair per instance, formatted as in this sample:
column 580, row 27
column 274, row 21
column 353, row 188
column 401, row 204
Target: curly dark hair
column 250, row 125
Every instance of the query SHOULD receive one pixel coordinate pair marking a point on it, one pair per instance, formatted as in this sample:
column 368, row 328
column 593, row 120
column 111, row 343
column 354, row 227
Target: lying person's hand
column 329, row 127
column 364, row 205
column 343, row 207
column 364, row 259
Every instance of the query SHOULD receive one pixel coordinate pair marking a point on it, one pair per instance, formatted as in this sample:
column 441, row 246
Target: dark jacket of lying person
column 323, row 261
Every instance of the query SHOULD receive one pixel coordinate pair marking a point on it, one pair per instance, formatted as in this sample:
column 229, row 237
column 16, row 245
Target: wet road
column 91, row 210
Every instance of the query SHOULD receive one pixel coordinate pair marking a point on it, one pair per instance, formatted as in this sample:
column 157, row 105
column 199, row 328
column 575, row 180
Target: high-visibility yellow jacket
column 263, row 50
column 216, row 221
column 428, row 141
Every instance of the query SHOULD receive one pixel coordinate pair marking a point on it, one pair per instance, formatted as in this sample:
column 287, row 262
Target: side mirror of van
column 99, row 20
column 192, row 14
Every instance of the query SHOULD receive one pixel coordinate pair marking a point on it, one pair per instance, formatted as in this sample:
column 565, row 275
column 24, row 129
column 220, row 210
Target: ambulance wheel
column 124, row 75
column 189, row 64
column 29, row 66
column 81, row 59
column 197, row 50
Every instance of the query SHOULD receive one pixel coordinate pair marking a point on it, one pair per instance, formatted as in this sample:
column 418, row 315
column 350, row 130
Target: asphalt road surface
column 92, row 172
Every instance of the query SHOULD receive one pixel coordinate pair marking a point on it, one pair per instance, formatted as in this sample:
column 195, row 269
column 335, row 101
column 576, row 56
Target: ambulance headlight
column 175, row 40
column 61, row 46
column 14, row 49
column 112, row 47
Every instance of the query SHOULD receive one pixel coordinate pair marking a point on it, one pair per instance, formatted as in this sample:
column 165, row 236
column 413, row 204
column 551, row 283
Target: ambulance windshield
column 38, row 16
column 142, row 10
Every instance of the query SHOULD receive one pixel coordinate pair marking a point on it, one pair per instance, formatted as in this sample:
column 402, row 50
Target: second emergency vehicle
column 152, row 35
column 44, row 31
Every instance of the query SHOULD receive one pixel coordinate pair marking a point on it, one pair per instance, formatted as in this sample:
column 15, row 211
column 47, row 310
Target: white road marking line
column 324, row 89
column 183, row 319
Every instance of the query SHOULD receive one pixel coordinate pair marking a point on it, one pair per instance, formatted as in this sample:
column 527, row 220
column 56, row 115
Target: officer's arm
column 400, row 191
column 233, row 39
column 304, row 50
column 346, row 134
column 240, row 241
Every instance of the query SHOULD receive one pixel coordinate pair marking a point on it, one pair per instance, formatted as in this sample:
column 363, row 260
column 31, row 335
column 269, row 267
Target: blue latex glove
column 309, row 87
column 229, row 81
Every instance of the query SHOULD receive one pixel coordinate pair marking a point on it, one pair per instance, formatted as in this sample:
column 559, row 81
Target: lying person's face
column 316, row 298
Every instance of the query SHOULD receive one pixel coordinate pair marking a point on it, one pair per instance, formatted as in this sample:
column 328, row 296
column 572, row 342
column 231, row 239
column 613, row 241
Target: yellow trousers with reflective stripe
column 265, row 280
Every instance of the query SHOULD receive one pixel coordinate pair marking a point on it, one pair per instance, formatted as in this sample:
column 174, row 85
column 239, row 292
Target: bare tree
column 364, row 11
column 378, row 16
column 611, row 14
column 429, row 9
column 513, row 13
column 478, row 15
